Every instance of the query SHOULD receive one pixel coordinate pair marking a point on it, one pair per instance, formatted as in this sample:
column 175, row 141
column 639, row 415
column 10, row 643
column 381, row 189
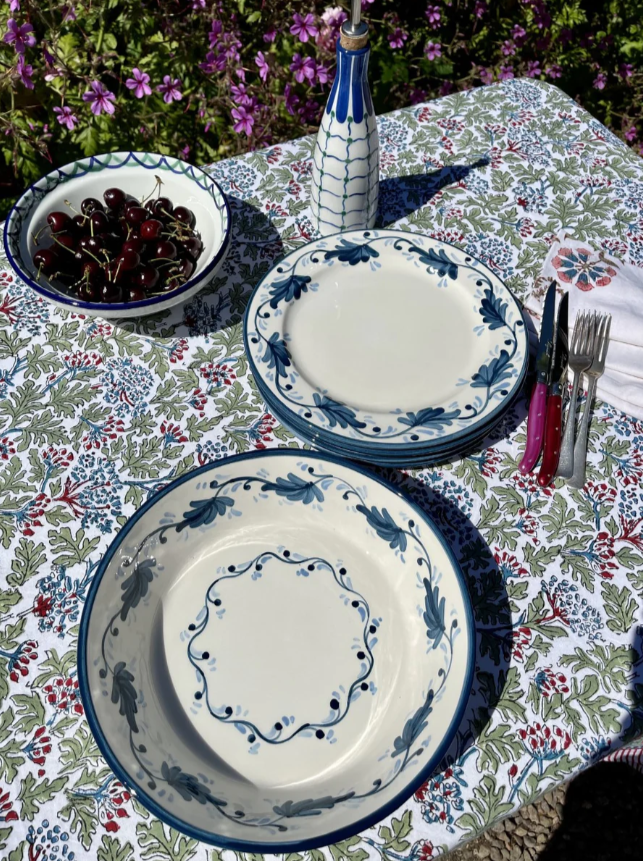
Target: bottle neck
column 350, row 97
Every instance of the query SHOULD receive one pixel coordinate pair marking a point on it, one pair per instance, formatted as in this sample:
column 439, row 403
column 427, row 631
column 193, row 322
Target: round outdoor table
column 95, row 416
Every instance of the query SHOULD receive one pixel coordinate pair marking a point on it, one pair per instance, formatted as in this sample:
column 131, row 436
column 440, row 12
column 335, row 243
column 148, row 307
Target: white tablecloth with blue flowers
column 95, row 416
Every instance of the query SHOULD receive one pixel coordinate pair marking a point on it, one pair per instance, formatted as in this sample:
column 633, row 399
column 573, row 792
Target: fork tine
column 606, row 338
column 579, row 333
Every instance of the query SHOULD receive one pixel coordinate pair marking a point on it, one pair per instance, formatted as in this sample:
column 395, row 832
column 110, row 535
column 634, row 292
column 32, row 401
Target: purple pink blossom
column 262, row 63
column 433, row 15
column 66, row 117
column 600, row 80
column 508, row 48
column 533, row 69
column 625, row 70
column 323, row 74
column 518, row 34
column 397, row 38
column 171, row 89
column 291, row 99
column 486, row 76
column 506, row 73
column 270, row 35
column 554, row 71
column 305, row 27
column 24, row 72
column 630, row 134
column 19, row 36
column 433, row 50
column 100, row 97
column 303, row 68
column 480, row 8
column 14, row 5
column 244, row 120
column 139, row 83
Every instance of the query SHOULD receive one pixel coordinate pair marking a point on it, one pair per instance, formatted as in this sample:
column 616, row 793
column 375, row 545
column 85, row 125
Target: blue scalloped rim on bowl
column 112, row 647
column 93, row 175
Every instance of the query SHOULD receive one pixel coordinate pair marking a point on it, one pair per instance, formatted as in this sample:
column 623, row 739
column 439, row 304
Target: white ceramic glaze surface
column 383, row 339
column 275, row 650
column 136, row 174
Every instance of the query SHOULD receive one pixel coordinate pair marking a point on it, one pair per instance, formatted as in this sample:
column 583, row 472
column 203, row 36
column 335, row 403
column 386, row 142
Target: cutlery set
column 586, row 355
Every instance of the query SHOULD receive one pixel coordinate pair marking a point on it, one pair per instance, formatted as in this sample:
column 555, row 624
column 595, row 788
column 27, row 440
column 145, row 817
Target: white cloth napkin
column 596, row 281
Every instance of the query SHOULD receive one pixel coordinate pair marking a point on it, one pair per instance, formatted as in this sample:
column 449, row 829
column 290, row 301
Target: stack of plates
column 386, row 346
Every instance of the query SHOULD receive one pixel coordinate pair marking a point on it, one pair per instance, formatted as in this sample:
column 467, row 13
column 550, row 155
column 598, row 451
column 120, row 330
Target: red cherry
column 114, row 197
column 136, row 294
column 147, row 278
column 193, row 246
column 111, row 292
column 184, row 216
column 99, row 221
column 134, row 243
column 162, row 207
column 82, row 224
column 46, row 260
column 90, row 204
column 59, row 221
column 66, row 241
column 127, row 261
column 136, row 215
column 151, row 229
column 165, row 250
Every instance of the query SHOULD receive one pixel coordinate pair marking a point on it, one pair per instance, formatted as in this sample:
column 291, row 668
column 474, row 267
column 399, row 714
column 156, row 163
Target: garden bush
column 207, row 80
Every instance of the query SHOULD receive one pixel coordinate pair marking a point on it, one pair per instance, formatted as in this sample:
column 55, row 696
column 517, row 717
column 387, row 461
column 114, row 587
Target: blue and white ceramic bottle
column 345, row 174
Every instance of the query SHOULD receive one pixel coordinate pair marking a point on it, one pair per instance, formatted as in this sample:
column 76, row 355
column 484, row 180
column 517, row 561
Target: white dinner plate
column 276, row 650
column 386, row 338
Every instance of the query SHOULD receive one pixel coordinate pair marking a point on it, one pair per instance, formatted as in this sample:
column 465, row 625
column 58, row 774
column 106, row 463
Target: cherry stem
column 68, row 203
column 39, row 272
column 159, row 183
column 36, row 236
column 58, row 242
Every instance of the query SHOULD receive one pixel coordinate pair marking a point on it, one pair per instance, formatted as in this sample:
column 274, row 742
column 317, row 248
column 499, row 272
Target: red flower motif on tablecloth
column 7, row 813
column 584, row 268
column 111, row 806
column 509, row 565
column 63, row 695
column 521, row 641
column 7, row 448
column 542, row 742
column 549, row 682
column 38, row 748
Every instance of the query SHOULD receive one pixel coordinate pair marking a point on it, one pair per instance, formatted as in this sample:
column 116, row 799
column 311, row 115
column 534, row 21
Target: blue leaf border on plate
column 491, row 381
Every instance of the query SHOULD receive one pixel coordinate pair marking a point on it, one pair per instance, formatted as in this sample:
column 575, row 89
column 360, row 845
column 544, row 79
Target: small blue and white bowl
column 135, row 173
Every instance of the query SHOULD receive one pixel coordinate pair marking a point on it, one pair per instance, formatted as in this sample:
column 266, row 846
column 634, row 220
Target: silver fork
column 593, row 373
column 580, row 358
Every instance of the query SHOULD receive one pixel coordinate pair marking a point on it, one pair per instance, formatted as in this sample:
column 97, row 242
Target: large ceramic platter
column 275, row 651
column 386, row 338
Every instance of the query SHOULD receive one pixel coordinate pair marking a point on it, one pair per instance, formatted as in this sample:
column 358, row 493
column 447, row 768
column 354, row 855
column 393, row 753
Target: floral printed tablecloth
column 96, row 416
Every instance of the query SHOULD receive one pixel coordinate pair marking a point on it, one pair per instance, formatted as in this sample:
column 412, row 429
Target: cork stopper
column 353, row 43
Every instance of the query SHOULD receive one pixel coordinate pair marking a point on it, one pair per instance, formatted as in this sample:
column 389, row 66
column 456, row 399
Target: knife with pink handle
column 538, row 404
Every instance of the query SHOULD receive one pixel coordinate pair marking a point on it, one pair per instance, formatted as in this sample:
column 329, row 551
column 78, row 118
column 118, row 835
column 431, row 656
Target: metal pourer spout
column 355, row 27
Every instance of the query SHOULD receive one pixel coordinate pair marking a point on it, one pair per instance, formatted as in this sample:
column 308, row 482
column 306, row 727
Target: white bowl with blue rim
column 276, row 651
column 135, row 172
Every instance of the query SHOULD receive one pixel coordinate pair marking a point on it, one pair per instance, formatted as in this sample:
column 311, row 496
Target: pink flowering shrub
column 206, row 79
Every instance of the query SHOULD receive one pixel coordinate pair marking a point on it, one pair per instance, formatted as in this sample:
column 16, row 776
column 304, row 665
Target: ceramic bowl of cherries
column 112, row 253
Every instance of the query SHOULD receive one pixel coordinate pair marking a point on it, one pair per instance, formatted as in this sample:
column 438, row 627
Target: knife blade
column 553, row 418
column 537, row 406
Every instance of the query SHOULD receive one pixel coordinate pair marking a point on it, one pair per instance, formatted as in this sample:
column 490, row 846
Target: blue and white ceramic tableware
column 136, row 173
column 276, row 650
column 344, row 185
column 388, row 343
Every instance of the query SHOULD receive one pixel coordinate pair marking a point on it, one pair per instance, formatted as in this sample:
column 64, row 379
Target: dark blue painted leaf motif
column 414, row 727
column 351, row 252
column 493, row 310
column 205, row 511
column 493, row 373
column 385, row 526
column 336, row 413
column 288, row 289
column 295, row 488
column 433, row 417
column 276, row 355
column 433, row 614
column 188, row 786
column 310, row 806
column 436, row 261
column 124, row 694
column 136, row 585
